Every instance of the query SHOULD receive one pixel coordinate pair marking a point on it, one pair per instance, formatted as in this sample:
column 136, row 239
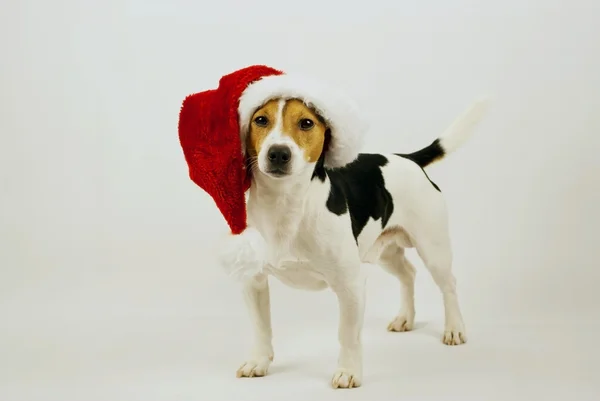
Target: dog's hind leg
column 436, row 253
column 393, row 260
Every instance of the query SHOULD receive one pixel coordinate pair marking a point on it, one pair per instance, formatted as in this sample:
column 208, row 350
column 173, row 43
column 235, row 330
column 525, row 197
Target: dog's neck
column 275, row 207
column 290, row 190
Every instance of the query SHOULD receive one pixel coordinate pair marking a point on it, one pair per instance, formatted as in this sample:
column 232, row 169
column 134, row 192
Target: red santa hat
column 212, row 131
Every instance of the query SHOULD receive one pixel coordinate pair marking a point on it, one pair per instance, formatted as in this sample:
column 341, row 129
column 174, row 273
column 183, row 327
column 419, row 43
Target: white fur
column 342, row 115
column 243, row 255
column 463, row 127
column 309, row 247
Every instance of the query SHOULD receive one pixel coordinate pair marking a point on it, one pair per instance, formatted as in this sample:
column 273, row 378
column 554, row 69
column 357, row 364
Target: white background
column 108, row 289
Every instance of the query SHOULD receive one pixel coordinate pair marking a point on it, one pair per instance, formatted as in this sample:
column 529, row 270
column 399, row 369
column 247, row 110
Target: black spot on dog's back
column 336, row 203
column 424, row 157
column 359, row 188
column 422, row 169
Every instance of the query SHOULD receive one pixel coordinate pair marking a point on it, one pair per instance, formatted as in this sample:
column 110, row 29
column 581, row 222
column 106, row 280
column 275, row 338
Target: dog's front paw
column 402, row 322
column 344, row 378
column 255, row 368
column 454, row 336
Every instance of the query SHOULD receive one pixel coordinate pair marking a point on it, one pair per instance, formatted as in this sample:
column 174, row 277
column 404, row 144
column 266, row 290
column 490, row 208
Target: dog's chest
column 287, row 238
column 291, row 252
column 299, row 274
column 281, row 221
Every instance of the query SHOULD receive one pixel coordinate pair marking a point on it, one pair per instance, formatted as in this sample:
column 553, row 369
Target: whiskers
column 252, row 163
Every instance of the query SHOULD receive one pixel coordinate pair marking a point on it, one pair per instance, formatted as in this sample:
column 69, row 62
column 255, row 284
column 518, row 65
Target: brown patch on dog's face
column 305, row 127
column 285, row 137
column 262, row 122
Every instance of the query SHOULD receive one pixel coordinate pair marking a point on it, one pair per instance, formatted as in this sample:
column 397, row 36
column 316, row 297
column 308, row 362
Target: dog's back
column 392, row 193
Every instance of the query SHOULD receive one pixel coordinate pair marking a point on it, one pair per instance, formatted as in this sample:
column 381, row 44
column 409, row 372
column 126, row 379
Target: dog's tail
column 453, row 138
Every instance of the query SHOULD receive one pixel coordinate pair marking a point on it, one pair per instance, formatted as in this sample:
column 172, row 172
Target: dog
column 320, row 224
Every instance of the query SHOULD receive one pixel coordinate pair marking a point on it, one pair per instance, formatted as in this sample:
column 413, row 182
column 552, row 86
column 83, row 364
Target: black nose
column 279, row 155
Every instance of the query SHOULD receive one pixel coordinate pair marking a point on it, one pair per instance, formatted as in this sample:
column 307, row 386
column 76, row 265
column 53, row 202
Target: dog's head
column 286, row 138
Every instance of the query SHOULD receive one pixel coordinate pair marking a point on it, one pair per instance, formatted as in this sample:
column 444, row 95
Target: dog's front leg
column 257, row 298
column 351, row 298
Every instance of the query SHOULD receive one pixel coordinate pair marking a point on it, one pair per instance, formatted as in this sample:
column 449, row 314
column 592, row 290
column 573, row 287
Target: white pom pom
column 243, row 255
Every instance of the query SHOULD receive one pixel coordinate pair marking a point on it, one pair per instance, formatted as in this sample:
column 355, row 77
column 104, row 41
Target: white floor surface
column 180, row 358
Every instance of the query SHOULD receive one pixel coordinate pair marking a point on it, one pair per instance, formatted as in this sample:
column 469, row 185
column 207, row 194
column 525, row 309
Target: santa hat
column 212, row 130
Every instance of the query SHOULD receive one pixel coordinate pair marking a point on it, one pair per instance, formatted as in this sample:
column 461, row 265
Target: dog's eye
column 306, row 124
column 261, row 121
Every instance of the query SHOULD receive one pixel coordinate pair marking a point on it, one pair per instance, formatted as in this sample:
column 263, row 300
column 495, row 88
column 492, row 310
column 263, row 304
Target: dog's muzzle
column 278, row 160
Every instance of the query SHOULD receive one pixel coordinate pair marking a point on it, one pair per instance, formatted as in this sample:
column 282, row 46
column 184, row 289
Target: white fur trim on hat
column 341, row 114
column 243, row 255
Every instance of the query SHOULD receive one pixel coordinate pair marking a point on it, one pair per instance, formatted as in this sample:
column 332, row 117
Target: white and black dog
column 320, row 223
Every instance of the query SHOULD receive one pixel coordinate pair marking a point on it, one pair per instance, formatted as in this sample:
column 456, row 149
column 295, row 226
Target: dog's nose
column 279, row 155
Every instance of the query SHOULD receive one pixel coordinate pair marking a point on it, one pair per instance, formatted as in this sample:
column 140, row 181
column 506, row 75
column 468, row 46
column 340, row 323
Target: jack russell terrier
column 321, row 223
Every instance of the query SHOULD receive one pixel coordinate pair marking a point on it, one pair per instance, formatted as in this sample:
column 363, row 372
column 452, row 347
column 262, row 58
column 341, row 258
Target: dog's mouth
column 277, row 172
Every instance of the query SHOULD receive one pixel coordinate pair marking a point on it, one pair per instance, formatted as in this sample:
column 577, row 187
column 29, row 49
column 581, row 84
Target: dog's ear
column 326, row 142
column 320, row 166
